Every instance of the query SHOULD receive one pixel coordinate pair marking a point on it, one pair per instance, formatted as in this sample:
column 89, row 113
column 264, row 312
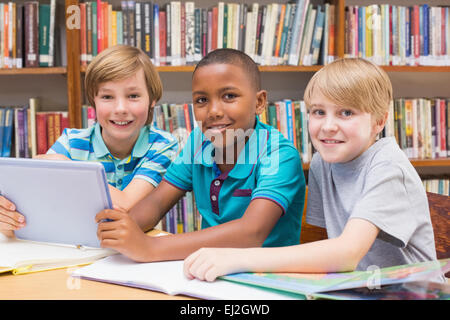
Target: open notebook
column 168, row 277
column 24, row 256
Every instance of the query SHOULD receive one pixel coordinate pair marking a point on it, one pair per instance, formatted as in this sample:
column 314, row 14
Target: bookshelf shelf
column 190, row 68
column 417, row 163
column 34, row 71
column 416, row 68
column 444, row 162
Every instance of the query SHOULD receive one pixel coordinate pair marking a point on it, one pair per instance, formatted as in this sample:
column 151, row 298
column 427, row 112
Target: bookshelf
column 66, row 79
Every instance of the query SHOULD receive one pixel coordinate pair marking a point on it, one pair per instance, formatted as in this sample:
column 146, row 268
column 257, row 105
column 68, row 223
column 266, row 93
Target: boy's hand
column 122, row 234
column 210, row 263
column 10, row 219
column 56, row 156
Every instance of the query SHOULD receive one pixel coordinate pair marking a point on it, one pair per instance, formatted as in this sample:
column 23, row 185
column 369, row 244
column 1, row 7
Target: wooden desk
column 58, row 285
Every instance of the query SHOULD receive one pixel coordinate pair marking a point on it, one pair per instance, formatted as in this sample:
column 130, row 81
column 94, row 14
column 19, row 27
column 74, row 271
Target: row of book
column 179, row 33
column 398, row 35
column 27, row 34
column 25, row 131
column 439, row 186
column 420, row 126
column 182, row 217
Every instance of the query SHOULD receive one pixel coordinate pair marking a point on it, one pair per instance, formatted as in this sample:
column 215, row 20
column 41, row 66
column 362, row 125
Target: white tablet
column 59, row 199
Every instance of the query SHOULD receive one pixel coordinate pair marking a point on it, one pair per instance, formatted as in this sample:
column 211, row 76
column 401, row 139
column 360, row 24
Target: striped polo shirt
column 152, row 154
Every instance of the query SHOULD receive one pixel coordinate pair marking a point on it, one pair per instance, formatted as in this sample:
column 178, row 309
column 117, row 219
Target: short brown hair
column 120, row 62
column 354, row 83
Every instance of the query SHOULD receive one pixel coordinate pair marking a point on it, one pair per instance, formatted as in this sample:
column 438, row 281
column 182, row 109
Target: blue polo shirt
column 269, row 167
column 150, row 157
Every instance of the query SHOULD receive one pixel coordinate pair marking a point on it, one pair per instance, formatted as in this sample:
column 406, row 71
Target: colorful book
column 313, row 285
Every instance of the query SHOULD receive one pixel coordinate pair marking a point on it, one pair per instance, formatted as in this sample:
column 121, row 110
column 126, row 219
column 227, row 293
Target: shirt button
column 213, row 198
column 217, row 183
column 119, row 181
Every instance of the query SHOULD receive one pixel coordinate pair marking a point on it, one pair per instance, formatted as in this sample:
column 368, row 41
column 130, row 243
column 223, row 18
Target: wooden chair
column 440, row 218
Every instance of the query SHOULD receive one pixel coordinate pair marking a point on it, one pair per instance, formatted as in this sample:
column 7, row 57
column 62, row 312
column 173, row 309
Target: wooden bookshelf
column 440, row 162
column 191, row 68
column 34, row 71
column 417, row 163
column 75, row 73
column 416, row 68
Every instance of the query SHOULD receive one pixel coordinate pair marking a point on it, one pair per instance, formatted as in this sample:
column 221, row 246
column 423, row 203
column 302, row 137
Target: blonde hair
column 354, row 83
column 120, row 62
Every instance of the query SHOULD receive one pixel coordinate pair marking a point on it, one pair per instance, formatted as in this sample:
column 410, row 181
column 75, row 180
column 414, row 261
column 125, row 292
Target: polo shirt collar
column 246, row 160
column 98, row 144
column 139, row 150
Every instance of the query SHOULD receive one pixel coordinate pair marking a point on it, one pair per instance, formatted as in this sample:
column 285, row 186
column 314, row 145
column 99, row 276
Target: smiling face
column 122, row 109
column 340, row 134
column 225, row 102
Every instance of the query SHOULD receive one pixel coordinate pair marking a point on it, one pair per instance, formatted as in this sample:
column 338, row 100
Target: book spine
column 31, row 35
column 51, row 35
column 197, row 37
column 182, row 33
column 50, row 129
column 19, row 36
column 443, row 128
column 44, row 28
column 215, row 24
column 190, row 32
column 447, row 110
column 12, row 46
column 162, row 37
column 124, row 7
column 204, row 32
column 94, row 29
column 289, row 121
column 2, row 127
column 138, row 24
column 99, row 26
column 83, row 40
column 7, row 134
column 156, row 33
column 25, row 126
column 147, row 36
column 168, row 34
column 131, row 10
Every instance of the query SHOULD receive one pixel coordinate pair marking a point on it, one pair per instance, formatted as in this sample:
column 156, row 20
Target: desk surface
column 58, row 284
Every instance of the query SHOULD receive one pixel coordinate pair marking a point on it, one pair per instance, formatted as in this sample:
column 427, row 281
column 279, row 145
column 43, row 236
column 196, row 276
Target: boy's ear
column 261, row 101
column 380, row 123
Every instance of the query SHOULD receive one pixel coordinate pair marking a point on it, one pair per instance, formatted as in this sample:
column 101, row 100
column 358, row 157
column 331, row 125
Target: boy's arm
column 125, row 236
column 135, row 191
column 332, row 255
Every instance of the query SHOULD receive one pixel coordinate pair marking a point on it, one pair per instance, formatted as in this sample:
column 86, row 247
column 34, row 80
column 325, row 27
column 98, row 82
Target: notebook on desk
column 59, row 200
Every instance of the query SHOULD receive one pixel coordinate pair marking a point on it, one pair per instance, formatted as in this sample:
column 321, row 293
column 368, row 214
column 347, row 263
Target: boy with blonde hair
column 364, row 191
column 123, row 86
